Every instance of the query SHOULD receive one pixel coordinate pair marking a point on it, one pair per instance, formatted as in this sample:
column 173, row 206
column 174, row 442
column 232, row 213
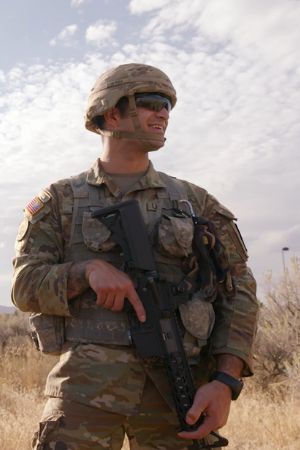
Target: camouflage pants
column 67, row 425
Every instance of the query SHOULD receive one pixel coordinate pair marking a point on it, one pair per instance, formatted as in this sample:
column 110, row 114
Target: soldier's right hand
column 112, row 287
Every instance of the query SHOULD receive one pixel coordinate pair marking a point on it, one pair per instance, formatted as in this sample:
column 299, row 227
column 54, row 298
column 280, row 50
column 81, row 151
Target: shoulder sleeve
column 40, row 273
column 236, row 315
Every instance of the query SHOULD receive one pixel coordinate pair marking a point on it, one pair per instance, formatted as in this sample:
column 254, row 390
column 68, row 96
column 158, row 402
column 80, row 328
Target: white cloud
column 101, row 33
column 235, row 128
column 141, row 6
column 78, row 3
column 65, row 37
column 268, row 28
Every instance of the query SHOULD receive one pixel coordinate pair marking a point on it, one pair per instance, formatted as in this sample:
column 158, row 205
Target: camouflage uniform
column 106, row 382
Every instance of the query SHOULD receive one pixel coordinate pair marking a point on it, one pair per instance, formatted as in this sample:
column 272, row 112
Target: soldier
column 68, row 273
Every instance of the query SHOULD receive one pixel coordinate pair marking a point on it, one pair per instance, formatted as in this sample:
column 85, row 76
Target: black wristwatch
column 235, row 384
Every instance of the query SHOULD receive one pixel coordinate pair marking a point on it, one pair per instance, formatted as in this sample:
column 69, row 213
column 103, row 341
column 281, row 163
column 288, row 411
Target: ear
column 112, row 118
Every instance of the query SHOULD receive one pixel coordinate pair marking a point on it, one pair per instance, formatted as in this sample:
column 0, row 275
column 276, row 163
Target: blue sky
column 235, row 129
column 29, row 28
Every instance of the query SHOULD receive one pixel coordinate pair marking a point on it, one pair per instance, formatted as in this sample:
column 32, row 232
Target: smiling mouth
column 157, row 128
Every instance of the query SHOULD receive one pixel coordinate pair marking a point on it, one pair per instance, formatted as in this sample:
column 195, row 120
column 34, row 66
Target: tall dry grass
column 266, row 417
column 23, row 371
column 268, row 414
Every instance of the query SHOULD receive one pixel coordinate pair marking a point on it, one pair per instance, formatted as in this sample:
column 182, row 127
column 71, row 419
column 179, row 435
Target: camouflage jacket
column 40, row 285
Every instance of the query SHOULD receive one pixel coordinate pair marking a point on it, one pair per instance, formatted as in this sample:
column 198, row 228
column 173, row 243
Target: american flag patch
column 35, row 206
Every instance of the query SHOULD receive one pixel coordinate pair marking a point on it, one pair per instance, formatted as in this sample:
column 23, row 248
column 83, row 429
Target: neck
column 123, row 156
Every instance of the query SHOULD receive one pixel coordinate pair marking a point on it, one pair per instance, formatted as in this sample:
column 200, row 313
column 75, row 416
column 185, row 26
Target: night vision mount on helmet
column 125, row 81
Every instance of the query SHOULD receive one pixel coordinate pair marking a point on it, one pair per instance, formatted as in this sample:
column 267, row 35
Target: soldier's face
column 154, row 122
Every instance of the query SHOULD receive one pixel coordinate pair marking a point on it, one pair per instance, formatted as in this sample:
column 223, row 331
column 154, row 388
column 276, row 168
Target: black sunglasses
column 154, row 102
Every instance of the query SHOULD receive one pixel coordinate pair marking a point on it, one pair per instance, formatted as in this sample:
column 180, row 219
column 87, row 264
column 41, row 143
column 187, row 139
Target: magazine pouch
column 47, row 332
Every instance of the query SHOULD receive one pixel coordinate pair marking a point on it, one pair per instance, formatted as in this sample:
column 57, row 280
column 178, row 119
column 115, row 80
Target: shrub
column 278, row 339
column 13, row 327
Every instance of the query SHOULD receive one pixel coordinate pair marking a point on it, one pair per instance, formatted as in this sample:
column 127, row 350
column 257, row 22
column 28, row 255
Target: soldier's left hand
column 213, row 401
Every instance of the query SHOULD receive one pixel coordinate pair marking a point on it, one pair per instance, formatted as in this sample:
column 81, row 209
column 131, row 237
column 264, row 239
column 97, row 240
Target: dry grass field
column 266, row 417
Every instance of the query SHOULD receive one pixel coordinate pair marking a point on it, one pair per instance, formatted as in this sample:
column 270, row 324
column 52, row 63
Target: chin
column 154, row 149
column 154, row 145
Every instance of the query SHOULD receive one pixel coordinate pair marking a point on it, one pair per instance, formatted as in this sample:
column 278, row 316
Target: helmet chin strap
column 151, row 141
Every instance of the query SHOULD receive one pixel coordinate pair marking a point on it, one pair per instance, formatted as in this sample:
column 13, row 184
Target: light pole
column 284, row 249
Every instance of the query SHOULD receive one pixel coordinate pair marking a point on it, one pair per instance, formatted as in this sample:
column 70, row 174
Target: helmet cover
column 124, row 81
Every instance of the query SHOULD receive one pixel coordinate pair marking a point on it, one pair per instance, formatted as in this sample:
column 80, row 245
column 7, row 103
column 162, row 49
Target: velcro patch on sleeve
column 34, row 206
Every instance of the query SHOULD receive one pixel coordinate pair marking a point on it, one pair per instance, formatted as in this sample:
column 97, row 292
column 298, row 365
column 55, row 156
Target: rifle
column 160, row 335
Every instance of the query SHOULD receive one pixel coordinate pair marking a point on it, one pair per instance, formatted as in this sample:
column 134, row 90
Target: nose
column 163, row 113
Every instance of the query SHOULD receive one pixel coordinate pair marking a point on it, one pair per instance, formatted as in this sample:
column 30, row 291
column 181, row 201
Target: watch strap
column 235, row 384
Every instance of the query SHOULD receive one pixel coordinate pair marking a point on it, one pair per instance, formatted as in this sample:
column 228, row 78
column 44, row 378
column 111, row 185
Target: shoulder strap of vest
column 84, row 195
column 79, row 185
column 195, row 200
column 181, row 189
column 175, row 187
column 83, row 190
column 79, row 188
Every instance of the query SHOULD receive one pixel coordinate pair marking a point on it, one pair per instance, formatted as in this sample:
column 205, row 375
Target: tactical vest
column 90, row 239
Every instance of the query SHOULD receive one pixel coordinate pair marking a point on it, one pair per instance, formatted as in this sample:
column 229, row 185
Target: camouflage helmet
column 125, row 81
